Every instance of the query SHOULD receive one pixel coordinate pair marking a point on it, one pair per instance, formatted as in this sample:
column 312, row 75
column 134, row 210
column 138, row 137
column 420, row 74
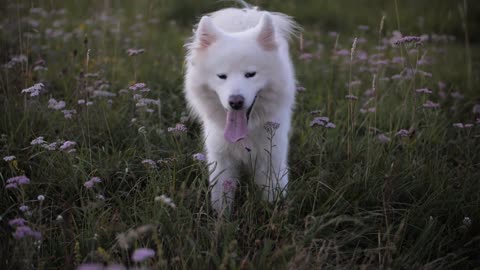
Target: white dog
column 239, row 78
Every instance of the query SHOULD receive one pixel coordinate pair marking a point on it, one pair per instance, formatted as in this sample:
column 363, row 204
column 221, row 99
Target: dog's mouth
column 236, row 128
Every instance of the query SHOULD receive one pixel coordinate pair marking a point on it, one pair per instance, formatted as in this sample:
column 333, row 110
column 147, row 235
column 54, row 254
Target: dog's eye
column 222, row 76
column 250, row 74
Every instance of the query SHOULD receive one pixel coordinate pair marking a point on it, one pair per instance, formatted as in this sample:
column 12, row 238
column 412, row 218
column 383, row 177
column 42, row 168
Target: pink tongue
column 236, row 128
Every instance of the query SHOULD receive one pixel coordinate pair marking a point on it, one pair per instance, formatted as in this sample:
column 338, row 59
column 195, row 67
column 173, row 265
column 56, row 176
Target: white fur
column 232, row 42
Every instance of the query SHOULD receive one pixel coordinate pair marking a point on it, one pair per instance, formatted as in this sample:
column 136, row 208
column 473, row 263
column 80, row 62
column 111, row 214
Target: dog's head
column 236, row 66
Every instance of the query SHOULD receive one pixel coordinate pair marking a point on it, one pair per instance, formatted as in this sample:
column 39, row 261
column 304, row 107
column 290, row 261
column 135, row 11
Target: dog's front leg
column 223, row 180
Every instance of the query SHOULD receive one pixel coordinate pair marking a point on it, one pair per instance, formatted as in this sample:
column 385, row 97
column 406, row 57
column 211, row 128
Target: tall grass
column 403, row 194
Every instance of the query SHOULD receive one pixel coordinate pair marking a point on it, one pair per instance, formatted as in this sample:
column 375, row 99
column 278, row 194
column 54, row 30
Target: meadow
column 101, row 166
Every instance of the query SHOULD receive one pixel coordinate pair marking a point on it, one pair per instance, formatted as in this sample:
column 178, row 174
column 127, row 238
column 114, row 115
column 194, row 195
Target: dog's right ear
column 207, row 33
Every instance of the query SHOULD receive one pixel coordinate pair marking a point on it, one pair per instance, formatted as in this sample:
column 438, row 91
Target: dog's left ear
column 266, row 34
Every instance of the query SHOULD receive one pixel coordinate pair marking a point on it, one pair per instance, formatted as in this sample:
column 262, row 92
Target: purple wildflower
column 363, row 27
column 150, row 163
column 137, row 86
column 319, row 121
column 403, row 133
column 442, row 85
column 306, row 56
column 343, row 52
column 23, row 231
column 141, row 254
column 332, row 34
column 272, row 125
column 475, row 110
column 24, row 208
column 16, row 181
column 17, row 222
column 9, row 158
column 351, row 97
column 330, row 125
column 90, row 183
column 96, row 179
column 103, row 93
column 229, row 185
column 56, row 105
column 34, row 90
column 396, row 77
column 424, row 73
column 457, row 95
column 68, row 145
column 11, row 185
column 354, row 83
column 68, row 114
column 166, row 200
column 199, row 157
column 91, row 266
column 368, row 110
column 142, row 102
column 382, row 138
column 38, row 140
column 179, row 128
column 50, row 147
column 407, row 40
column 41, row 197
column 431, row 105
column 398, row 60
column 301, row 88
column 458, row 125
column 423, row 91
column 134, row 52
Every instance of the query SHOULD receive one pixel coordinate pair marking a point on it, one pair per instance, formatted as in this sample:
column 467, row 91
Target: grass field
column 95, row 174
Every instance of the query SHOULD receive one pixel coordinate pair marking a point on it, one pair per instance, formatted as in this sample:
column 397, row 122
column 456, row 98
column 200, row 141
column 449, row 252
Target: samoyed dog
column 240, row 84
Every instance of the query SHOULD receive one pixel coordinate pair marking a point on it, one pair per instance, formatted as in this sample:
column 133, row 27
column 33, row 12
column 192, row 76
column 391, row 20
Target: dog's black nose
column 236, row 102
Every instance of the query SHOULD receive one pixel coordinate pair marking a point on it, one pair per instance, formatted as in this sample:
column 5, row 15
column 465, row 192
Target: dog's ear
column 266, row 35
column 207, row 33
